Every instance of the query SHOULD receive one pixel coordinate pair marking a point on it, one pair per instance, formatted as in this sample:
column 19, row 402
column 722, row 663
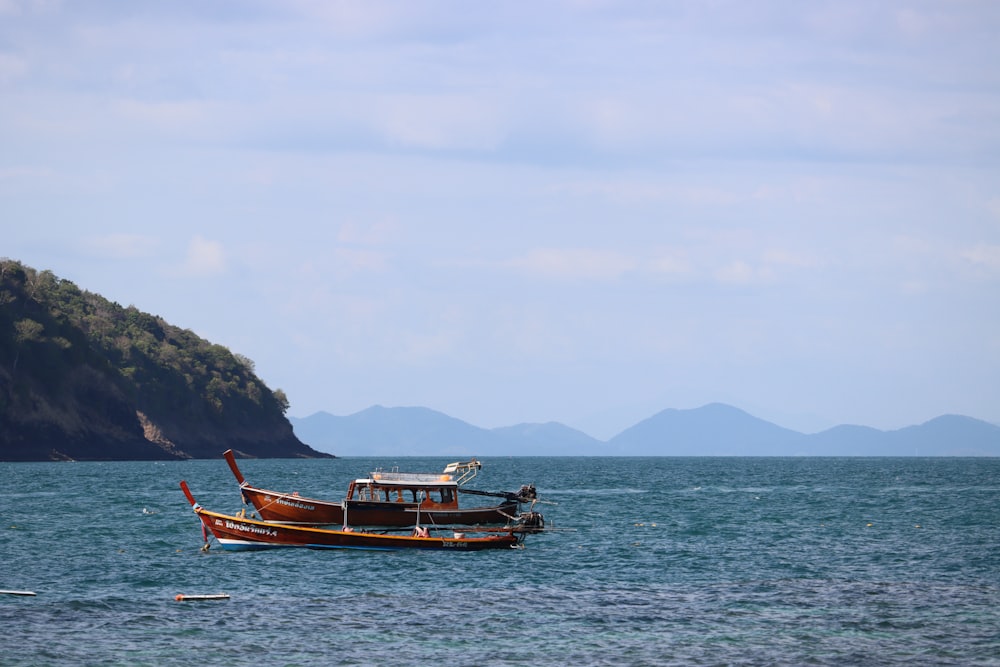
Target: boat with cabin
column 394, row 498
column 240, row 533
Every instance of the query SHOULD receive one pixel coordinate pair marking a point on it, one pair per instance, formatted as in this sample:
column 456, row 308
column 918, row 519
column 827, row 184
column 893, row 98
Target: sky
column 575, row 211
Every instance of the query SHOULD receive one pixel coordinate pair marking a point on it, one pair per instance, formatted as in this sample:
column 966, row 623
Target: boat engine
column 531, row 522
column 527, row 493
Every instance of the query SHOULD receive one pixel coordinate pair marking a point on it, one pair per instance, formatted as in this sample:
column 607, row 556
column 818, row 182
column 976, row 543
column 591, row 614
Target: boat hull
column 239, row 534
column 289, row 508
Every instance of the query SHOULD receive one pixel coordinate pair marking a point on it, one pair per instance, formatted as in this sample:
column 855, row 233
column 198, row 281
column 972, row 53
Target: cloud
column 25, row 178
column 637, row 190
column 377, row 232
column 678, row 262
column 438, row 121
column 574, row 263
column 19, row 7
column 11, row 67
column 357, row 20
column 740, row 272
column 183, row 117
column 122, row 246
column 993, row 206
column 985, row 256
column 675, row 265
column 769, row 266
column 778, row 257
column 348, row 261
column 204, row 257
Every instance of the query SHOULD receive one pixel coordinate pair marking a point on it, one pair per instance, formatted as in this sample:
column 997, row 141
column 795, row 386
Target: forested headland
column 84, row 378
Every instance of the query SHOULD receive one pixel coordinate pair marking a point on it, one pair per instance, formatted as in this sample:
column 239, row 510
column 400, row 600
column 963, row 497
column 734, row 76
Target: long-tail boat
column 391, row 498
column 239, row 533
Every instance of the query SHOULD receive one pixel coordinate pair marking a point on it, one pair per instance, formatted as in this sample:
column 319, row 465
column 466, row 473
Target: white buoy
column 180, row 597
column 22, row 593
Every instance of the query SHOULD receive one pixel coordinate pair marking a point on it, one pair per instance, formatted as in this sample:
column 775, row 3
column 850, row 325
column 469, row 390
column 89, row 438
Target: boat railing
column 465, row 470
column 468, row 469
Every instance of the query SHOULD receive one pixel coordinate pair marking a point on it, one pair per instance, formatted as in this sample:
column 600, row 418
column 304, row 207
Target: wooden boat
column 389, row 499
column 238, row 533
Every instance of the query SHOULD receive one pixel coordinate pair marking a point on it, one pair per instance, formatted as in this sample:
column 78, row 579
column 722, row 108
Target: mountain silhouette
column 711, row 430
column 715, row 429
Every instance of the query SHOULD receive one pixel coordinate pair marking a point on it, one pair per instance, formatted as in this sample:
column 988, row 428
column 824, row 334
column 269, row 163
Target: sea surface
column 651, row 561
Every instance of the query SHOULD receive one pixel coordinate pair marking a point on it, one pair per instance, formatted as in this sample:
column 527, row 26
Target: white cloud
column 574, row 263
column 19, row 7
column 438, row 121
column 985, row 256
column 377, row 232
column 348, row 261
column 670, row 265
column 740, row 272
column 166, row 115
column 354, row 19
column 204, row 257
column 11, row 67
column 676, row 262
column 993, row 206
column 122, row 246
column 19, row 178
column 777, row 257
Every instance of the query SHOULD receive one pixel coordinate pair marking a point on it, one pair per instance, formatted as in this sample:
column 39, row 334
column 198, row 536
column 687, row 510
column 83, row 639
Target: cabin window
column 446, row 496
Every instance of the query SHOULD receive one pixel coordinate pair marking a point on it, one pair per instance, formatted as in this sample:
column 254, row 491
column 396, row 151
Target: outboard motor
column 527, row 493
column 531, row 522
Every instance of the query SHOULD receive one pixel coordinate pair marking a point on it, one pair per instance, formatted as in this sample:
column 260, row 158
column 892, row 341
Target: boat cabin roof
column 466, row 469
column 408, row 479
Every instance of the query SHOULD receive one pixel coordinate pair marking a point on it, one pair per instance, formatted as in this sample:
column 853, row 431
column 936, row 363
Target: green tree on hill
column 71, row 360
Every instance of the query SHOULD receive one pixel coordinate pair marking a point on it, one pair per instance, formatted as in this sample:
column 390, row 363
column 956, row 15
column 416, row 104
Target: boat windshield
column 402, row 493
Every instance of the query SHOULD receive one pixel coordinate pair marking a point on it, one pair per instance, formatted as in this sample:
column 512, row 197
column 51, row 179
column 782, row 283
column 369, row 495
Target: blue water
column 654, row 561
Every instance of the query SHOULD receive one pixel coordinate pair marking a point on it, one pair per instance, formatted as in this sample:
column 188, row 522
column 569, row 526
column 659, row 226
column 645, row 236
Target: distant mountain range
column 711, row 430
